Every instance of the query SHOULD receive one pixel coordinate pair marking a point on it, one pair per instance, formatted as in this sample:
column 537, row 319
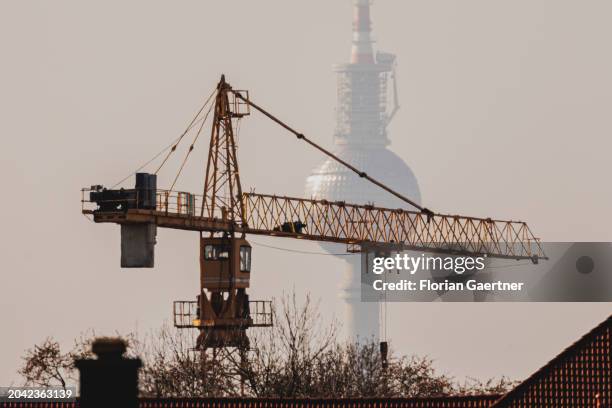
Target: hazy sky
column 505, row 111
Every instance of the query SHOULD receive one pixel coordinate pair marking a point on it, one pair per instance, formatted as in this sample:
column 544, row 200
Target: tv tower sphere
column 360, row 138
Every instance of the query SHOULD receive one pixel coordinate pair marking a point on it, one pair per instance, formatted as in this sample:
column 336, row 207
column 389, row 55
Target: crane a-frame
column 225, row 214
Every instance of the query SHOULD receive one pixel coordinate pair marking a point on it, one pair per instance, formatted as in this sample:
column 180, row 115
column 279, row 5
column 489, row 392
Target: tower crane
column 225, row 214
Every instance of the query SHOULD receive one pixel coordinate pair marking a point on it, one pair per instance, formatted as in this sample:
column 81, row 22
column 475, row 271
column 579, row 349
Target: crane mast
column 222, row 189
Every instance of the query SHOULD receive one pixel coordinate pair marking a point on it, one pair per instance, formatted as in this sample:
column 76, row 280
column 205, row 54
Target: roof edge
column 569, row 351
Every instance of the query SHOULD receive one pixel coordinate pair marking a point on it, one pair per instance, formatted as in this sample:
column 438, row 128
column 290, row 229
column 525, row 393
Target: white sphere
column 334, row 182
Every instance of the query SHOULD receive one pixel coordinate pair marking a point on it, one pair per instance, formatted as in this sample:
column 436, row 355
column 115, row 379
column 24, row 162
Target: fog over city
column 504, row 112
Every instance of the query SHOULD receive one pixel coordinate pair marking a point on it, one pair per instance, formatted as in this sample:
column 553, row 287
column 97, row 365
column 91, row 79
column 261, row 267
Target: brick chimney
column 110, row 380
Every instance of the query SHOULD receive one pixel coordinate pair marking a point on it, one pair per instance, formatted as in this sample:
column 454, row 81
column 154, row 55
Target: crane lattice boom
column 320, row 220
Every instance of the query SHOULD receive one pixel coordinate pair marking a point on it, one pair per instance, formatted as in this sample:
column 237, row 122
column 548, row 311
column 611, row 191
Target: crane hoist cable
column 147, row 163
column 193, row 122
column 360, row 173
column 172, row 146
column 195, row 139
column 297, row 251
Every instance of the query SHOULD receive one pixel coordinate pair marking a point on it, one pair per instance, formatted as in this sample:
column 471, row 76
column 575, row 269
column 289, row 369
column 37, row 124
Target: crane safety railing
column 171, row 202
column 187, row 314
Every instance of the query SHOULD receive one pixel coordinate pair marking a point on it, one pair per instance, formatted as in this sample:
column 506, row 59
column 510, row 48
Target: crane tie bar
column 360, row 173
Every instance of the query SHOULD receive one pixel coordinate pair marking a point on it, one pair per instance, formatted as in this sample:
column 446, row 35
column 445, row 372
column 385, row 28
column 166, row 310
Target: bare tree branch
column 299, row 357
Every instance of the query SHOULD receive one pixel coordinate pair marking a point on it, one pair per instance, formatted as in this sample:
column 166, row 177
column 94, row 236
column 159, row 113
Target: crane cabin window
column 216, row 252
column 245, row 258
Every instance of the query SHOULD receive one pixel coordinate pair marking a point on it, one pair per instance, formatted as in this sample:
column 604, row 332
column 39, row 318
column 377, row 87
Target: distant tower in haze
column 361, row 139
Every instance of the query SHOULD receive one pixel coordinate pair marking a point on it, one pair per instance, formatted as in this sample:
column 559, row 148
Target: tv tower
column 365, row 85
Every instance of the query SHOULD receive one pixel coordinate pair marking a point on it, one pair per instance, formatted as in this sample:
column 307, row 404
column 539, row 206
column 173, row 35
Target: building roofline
column 567, row 353
column 459, row 401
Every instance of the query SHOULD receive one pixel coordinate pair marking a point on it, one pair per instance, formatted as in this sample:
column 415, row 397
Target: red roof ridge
column 567, row 353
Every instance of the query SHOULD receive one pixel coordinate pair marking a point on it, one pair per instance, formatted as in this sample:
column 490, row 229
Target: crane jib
column 321, row 220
